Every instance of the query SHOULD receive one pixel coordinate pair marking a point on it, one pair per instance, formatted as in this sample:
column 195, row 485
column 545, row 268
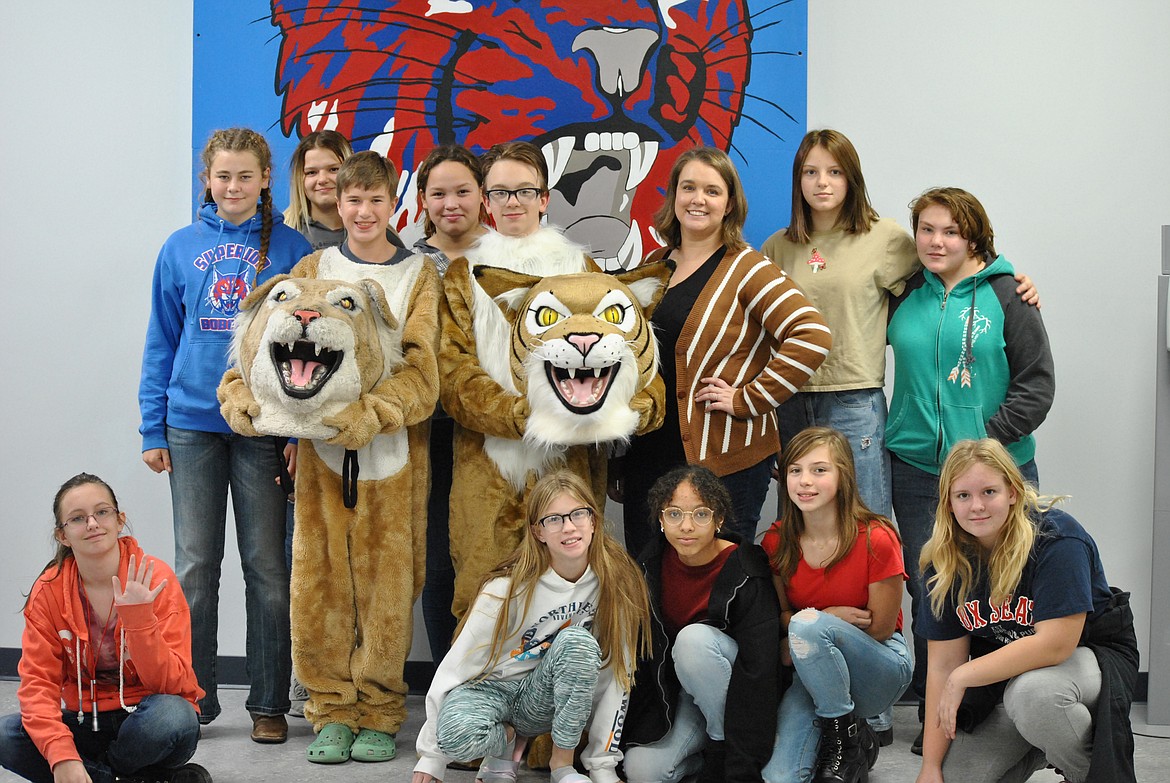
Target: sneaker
column 297, row 695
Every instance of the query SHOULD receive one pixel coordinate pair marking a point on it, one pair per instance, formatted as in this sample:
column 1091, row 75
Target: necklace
column 89, row 612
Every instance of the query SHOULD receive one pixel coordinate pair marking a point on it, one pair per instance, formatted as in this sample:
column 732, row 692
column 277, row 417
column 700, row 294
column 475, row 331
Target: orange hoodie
column 56, row 658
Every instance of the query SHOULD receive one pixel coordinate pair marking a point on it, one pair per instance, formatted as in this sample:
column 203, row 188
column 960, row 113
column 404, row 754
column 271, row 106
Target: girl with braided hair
column 203, row 273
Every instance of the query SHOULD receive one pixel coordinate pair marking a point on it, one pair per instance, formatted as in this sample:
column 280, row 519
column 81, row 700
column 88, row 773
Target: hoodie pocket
column 961, row 422
column 912, row 431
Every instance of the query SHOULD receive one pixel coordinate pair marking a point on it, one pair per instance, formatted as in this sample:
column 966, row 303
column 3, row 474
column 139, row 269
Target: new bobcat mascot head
column 306, row 348
column 581, row 348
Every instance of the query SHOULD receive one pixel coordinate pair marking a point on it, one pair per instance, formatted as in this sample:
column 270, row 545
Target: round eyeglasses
column 553, row 523
column 674, row 516
column 523, row 195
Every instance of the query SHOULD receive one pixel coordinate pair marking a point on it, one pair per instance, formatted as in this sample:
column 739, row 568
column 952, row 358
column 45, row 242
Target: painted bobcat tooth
column 556, row 154
column 642, row 157
column 630, row 253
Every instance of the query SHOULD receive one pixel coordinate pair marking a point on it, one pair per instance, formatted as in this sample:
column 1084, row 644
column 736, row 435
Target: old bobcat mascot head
column 306, row 348
column 582, row 347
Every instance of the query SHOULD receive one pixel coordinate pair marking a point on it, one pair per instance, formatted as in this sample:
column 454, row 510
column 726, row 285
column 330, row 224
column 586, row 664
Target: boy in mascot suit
column 493, row 464
column 359, row 564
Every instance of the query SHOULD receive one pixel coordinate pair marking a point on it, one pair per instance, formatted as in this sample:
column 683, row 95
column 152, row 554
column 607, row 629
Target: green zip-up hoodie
column 966, row 372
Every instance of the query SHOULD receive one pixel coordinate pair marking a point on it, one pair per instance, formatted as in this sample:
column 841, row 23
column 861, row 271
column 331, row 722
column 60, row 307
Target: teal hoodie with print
column 973, row 362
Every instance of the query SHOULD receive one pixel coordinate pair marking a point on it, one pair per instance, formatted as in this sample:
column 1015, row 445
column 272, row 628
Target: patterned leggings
column 556, row 696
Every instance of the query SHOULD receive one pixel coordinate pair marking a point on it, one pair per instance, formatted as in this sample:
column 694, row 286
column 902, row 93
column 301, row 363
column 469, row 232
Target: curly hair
column 709, row 487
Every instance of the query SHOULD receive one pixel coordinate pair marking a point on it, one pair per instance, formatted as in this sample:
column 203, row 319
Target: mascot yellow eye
column 546, row 316
column 281, row 296
column 346, row 303
column 614, row 314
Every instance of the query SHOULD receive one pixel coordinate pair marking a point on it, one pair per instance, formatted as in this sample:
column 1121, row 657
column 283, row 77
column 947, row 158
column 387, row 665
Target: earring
column 661, row 529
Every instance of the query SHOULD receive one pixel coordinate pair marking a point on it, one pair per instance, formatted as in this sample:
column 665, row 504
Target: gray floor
column 231, row 756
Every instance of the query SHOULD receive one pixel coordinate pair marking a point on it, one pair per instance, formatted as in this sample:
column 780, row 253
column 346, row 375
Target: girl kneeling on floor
column 1031, row 653
column 107, row 633
column 839, row 567
column 706, row 701
column 550, row 643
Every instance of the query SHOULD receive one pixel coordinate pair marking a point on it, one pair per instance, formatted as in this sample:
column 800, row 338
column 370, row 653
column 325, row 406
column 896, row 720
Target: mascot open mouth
column 304, row 366
column 581, row 390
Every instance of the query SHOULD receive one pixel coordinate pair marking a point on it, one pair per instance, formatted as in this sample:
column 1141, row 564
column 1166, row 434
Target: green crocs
column 373, row 745
column 332, row 745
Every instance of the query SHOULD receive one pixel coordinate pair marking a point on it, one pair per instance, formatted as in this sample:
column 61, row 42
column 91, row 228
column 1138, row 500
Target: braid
column 266, row 225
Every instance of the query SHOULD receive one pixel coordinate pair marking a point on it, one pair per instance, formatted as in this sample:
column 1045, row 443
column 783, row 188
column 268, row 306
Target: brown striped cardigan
column 752, row 327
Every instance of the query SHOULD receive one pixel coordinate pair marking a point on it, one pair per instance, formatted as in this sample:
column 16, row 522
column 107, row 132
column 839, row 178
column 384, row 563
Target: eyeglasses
column 553, row 523
column 674, row 516
column 523, row 195
column 101, row 515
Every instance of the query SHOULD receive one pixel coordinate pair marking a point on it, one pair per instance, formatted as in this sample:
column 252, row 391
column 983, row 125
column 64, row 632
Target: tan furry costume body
column 357, row 572
column 493, row 466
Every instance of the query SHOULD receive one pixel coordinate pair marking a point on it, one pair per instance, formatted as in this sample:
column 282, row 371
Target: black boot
column 714, row 760
column 870, row 743
column 841, row 758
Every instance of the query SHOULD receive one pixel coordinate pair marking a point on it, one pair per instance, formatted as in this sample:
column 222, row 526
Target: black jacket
column 1111, row 637
column 743, row 604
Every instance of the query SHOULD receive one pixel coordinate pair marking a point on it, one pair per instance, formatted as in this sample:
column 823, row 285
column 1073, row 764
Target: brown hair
column 369, row 171
column 622, row 622
column 966, row 211
column 851, row 510
column 857, row 214
column 521, row 152
column 298, row 212
column 63, row 552
column 244, row 140
column 454, row 153
column 666, row 223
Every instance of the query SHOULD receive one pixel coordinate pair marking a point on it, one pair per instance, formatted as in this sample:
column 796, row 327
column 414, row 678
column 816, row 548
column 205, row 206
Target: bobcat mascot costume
column 517, row 419
column 356, row 571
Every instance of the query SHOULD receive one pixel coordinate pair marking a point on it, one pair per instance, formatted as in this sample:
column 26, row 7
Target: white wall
column 1054, row 113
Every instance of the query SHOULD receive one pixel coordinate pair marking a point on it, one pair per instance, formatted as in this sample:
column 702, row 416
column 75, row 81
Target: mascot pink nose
column 306, row 317
column 583, row 342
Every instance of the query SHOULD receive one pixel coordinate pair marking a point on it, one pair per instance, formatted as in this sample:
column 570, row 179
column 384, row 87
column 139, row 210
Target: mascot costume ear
column 302, row 350
column 583, row 351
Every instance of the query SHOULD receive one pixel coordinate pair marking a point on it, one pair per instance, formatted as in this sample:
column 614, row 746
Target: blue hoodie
column 203, row 273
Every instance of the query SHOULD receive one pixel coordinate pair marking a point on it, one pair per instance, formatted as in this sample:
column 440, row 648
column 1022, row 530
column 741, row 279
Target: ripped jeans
column 839, row 669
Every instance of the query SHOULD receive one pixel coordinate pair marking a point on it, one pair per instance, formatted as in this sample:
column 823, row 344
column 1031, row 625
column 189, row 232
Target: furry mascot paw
column 358, row 422
column 237, row 405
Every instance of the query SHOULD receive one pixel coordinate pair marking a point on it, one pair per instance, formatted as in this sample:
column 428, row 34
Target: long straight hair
column 955, row 555
column 299, row 211
column 851, row 510
column 622, row 622
column 857, row 214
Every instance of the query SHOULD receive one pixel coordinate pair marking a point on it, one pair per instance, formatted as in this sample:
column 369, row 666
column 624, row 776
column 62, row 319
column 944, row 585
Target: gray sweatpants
column 1046, row 718
column 556, row 696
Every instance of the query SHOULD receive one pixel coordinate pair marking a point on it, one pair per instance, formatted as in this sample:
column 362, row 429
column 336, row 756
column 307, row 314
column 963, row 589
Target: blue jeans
column 748, row 489
column 859, row 415
column 915, row 504
column 703, row 657
column 160, row 734
column 839, row 669
column 205, row 465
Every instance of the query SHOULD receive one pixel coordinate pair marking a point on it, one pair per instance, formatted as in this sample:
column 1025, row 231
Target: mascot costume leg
column 362, row 476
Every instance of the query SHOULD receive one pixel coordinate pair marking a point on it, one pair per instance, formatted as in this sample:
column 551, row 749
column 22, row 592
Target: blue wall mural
column 612, row 92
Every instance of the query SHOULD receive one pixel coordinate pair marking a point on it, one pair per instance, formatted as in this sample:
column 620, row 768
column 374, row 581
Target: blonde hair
column 851, row 510
column 621, row 624
column 955, row 555
column 666, row 222
column 244, row 140
column 298, row 213
column 857, row 214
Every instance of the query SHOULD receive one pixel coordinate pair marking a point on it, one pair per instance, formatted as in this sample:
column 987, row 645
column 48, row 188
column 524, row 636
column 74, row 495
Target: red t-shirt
column 847, row 583
column 686, row 590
